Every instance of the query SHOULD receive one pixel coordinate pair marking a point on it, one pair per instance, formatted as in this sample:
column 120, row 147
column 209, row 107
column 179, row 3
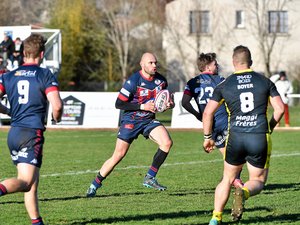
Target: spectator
column 17, row 56
column 2, row 65
column 7, row 46
column 284, row 87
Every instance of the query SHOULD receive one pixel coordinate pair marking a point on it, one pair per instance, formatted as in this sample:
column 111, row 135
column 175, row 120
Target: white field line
column 71, row 173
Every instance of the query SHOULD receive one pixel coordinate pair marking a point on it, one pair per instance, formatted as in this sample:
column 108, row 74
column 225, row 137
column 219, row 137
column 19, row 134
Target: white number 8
column 23, row 90
column 247, row 102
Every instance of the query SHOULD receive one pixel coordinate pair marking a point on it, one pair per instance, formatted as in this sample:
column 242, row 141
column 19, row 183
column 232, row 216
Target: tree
column 119, row 21
column 18, row 12
column 84, row 47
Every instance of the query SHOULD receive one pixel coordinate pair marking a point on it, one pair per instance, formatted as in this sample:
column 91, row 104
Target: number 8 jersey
column 246, row 94
column 26, row 89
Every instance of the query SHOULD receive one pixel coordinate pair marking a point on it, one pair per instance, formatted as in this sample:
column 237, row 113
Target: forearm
column 127, row 105
column 4, row 109
column 57, row 114
column 190, row 109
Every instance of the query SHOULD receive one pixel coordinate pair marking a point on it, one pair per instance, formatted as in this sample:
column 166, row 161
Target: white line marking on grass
column 71, row 173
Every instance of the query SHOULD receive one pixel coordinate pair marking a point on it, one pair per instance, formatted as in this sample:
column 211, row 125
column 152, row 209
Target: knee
column 26, row 186
column 167, row 144
column 119, row 155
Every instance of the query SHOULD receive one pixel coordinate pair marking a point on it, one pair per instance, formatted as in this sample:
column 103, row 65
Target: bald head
column 148, row 56
column 148, row 64
column 242, row 57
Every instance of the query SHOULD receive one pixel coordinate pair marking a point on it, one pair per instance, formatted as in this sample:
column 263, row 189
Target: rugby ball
column 161, row 100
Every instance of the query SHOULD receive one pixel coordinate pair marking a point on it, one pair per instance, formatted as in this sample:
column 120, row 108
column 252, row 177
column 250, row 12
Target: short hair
column 282, row 74
column 242, row 55
column 34, row 45
column 205, row 59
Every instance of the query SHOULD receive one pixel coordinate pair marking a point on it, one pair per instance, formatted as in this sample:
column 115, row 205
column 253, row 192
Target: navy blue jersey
column 138, row 89
column 201, row 88
column 246, row 94
column 26, row 89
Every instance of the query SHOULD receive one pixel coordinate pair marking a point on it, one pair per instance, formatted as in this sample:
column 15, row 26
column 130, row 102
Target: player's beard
column 150, row 72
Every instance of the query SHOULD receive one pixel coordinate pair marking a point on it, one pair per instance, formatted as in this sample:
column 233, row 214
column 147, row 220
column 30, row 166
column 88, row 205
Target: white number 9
column 23, row 90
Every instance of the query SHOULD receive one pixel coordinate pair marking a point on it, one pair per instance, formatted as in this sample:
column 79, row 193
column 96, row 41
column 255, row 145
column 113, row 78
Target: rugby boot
column 151, row 182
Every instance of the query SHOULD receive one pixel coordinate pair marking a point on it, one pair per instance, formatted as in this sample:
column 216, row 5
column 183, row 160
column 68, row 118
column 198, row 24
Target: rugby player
column 201, row 89
column 28, row 88
column 136, row 99
column 246, row 95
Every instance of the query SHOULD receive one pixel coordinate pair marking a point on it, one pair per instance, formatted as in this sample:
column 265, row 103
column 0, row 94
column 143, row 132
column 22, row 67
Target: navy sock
column 37, row 221
column 98, row 180
column 3, row 190
column 158, row 160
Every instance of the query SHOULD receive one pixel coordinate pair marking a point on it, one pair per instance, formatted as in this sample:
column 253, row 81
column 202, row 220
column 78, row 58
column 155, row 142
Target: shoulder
column 160, row 76
column 194, row 80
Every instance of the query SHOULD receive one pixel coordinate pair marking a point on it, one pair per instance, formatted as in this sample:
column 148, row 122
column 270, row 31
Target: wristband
column 207, row 136
column 142, row 107
column 272, row 123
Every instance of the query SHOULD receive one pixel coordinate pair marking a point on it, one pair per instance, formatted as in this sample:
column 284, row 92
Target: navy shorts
column 130, row 130
column 255, row 148
column 219, row 136
column 26, row 145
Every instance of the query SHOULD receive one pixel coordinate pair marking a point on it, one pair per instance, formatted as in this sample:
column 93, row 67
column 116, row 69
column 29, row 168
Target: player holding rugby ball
column 136, row 99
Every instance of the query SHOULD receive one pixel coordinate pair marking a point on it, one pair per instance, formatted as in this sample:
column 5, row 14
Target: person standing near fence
column 284, row 87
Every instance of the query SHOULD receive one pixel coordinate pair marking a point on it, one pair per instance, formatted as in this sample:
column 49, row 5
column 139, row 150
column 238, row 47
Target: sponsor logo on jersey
column 203, row 81
column 246, row 121
column 25, row 73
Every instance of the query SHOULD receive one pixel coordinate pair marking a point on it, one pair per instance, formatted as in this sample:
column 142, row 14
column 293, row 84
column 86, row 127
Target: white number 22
column 23, row 90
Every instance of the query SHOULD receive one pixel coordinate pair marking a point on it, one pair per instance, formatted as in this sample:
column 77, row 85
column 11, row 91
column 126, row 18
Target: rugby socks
column 37, row 221
column 217, row 216
column 98, row 181
column 3, row 190
column 158, row 160
column 246, row 192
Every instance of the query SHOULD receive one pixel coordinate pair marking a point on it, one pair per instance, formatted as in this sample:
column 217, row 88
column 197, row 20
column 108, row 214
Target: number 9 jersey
column 26, row 89
column 246, row 94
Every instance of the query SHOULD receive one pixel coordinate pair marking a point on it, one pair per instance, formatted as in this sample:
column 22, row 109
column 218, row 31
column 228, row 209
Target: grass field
column 72, row 158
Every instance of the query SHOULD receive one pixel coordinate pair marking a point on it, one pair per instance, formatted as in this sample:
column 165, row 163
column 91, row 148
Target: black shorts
column 255, row 148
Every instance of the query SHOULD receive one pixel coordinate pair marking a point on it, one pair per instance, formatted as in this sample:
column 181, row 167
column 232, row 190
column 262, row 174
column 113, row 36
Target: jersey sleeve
column 127, row 91
column 273, row 89
column 188, row 88
column 217, row 94
column 50, row 81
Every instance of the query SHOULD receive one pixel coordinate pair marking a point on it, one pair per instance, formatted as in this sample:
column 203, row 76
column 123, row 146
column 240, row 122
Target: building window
column 239, row 19
column 199, row 22
column 278, row 22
